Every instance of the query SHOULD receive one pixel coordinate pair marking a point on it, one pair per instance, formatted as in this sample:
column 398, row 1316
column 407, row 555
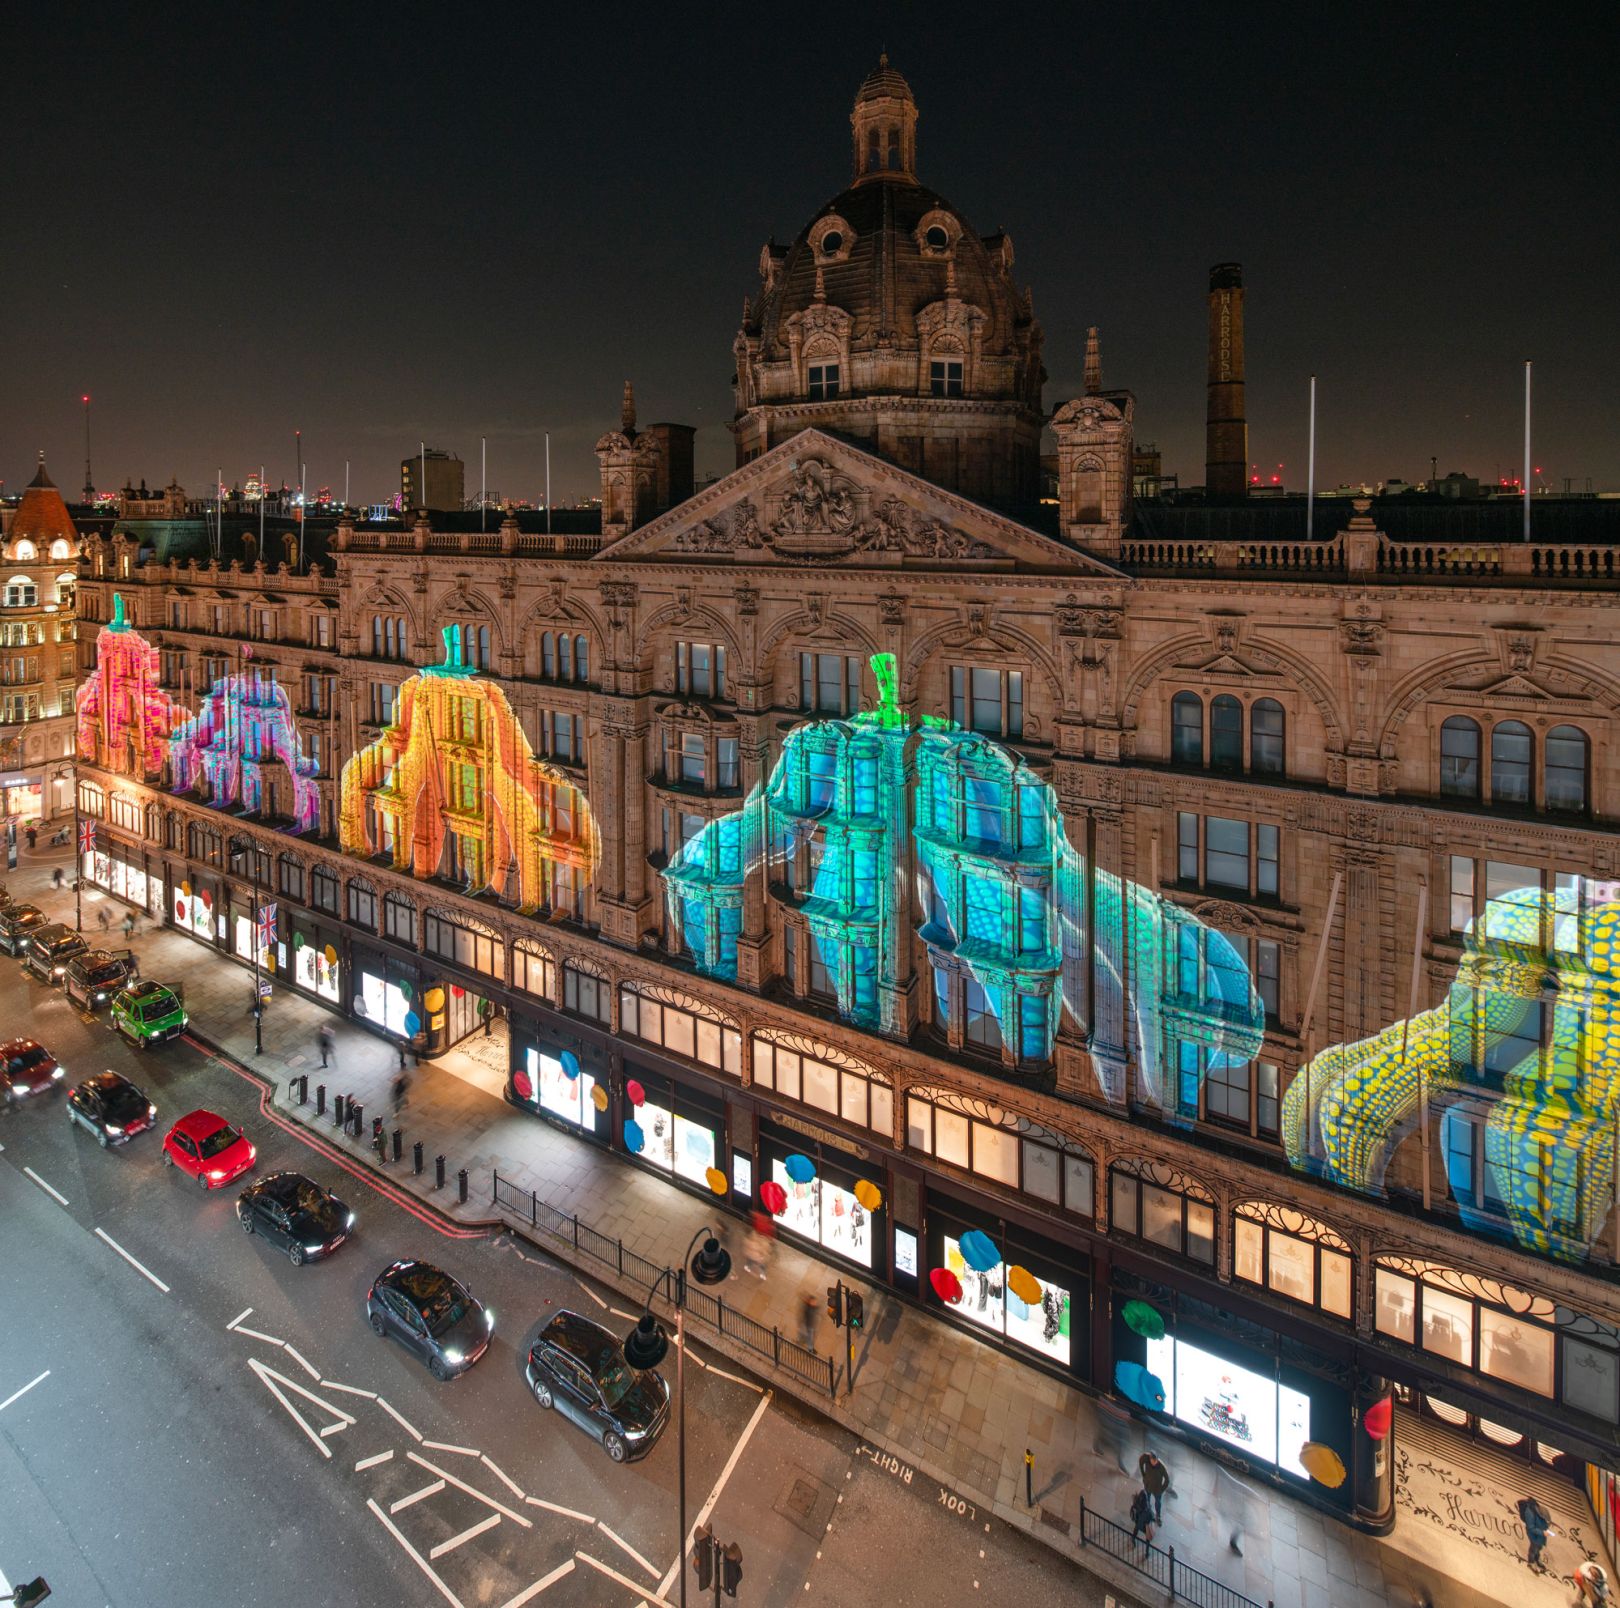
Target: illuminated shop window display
column 550, row 1087
column 828, row 1214
column 317, row 967
column 987, row 1301
column 194, row 911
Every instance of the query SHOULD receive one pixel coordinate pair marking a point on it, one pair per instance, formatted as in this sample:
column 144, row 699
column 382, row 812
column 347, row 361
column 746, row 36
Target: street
column 186, row 1417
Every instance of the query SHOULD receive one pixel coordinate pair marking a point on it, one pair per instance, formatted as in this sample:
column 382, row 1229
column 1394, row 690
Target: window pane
column 787, row 1072
column 1079, row 1186
column 1187, row 847
column 1566, row 769
column 708, row 1042
column 995, row 1153
column 1293, row 1267
column 1591, row 1379
column 881, row 1117
column 919, row 1125
column 820, row 1085
column 1459, row 758
column 1226, row 733
column 1122, row 1202
column 852, row 1098
column 679, row 1033
column 1512, row 748
column 1040, row 1171
column 1187, row 729
column 951, row 1138
column 1396, row 1313
column 1265, row 854
column 1448, row 1325
column 1513, row 1349
column 1266, row 738
column 1200, row 1232
column 1248, row 1251
column 1226, row 852
column 1161, row 1217
column 1462, row 892
column 1335, row 1293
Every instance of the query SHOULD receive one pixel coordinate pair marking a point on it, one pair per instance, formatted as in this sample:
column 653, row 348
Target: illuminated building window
column 1187, row 729
column 1513, row 748
column 830, row 683
column 981, row 1027
column 463, row 946
column 1565, row 772
column 823, row 978
column 815, row 1074
column 681, row 1025
column 1459, row 758
column 533, row 970
column 323, row 891
column 1152, row 1203
column 1293, row 1256
column 323, row 629
column 1499, row 897
column 1214, row 851
column 290, row 877
column 21, row 592
column 586, row 994
column 363, row 905
column 945, row 376
column 824, row 381
column 700, row 669
column 685, row 757
column 399, row 919
column 988, row 701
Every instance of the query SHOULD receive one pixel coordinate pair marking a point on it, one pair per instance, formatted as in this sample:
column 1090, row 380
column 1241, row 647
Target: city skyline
column 1411, row 287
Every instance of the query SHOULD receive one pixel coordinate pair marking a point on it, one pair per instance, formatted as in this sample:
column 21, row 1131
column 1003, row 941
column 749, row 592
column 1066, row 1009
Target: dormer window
column 831, row 238
column 824, row 381
column 831, row 243
column 937, row 239
column 945, row 376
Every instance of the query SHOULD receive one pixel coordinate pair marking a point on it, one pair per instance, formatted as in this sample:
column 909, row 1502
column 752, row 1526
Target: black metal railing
column 1158, row 1564
column 766, row 1342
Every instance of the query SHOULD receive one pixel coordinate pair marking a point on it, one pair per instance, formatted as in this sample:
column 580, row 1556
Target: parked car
column 206, row 1147
column 18, row 924
column 50, row 950
column 147, row 1013
column 111, row 1107
column 434, row 1316
column 95, row 976
column 579, row 1368
column 27, row 1068
column 294, row 1213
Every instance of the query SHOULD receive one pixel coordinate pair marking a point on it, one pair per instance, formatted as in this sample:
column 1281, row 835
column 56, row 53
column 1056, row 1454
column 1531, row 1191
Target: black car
column 50, row 950
column 18, row 924
column 95, row 976
column 579, row 1368
column 111, row 1107
column 434, row 1316
column 295, row 1214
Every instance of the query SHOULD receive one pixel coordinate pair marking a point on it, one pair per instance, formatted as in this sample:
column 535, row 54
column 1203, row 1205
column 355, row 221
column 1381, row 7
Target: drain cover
column 806, row 1504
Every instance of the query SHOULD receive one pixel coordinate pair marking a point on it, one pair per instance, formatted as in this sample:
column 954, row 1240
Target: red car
column 26, row 1068
column 208, row 1148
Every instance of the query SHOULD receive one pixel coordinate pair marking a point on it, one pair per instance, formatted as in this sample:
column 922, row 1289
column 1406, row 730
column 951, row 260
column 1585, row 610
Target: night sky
column 456, row 222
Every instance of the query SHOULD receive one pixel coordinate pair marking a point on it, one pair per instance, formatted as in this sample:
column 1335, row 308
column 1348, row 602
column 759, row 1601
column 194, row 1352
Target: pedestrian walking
column 1592, row 1581
column 1155, row 1481
column 1142, row 1516
column 402, row 1087
column 754, row 1250
column 1538, row 1530
column 1113, row 1437
column 56, row 877
column 129, row 926
column 328, row 1042
column 808, row 1308
column 33, row 838
column 105, row 919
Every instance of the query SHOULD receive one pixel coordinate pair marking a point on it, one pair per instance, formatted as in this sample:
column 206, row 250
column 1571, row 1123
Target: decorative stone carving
column 747, row 600
column 1229, row 917
column 730, row 530
column 818, row 502
column 1362, row 636
column 618, row 598
column 1521, row 652
column 896, row 528
column 892, row 608
column 1085, row 620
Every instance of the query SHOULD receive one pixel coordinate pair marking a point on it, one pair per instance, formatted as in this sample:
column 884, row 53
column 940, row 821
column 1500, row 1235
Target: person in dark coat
column 1142, row 1516
column 1537, row 1528
column 1155, row 1481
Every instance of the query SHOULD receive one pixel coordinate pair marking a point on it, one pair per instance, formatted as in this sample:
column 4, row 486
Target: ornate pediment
column 1516, row 687
column 816, row 500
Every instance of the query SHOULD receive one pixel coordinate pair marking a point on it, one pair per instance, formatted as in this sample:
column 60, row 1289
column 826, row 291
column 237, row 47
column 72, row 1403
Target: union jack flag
column 87, row 836
column 267, row 926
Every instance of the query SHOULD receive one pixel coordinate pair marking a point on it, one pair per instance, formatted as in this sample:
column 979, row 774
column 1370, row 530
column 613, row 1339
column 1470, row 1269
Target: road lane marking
column 314, row 1373
column 57, row 1196
column 373, row 1461
column 24, row 1391
column 580, row 1282
column 348, row 1390
column 445, row 1446
column 272, row 1381
column 561, row 1572
column 415, row 1556
column 505, row 1479
column 146, row 1271
column 620, row 1542
column 403, row 1422
column 246, row 1312
column 642, row 1593
column 254, row 1334
column 736, row 1379
column 471, row 1490
column 466, row 1535
column 719, row 1486
column 431, row 1489
column 554, row 1507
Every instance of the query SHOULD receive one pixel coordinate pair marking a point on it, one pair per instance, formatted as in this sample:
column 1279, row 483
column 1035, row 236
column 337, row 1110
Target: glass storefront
column 194, row 910
column 537, row 1082
column 544, row 1082
column 317, row 965
column 110, row 870
column 386, row 993
column 243, row 928
column 825, row 1210
column 683, row 1132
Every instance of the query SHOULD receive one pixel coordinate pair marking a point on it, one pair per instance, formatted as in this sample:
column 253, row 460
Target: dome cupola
column 884, row 122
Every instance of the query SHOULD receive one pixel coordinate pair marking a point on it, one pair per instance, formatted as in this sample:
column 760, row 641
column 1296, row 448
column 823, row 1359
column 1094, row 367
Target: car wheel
column 168, row 1160
column 438, row 1368
column 378, row 1327
column 247, row 1223
column 295, row 1255
column 542, row 1393
column 202, row 1182
column 102, row 1139
column 614, row 1446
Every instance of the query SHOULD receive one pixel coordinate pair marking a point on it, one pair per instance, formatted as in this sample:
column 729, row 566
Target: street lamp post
column 646, row 1345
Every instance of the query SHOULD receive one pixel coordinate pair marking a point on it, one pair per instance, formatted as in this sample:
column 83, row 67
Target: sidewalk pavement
column 956, row 1409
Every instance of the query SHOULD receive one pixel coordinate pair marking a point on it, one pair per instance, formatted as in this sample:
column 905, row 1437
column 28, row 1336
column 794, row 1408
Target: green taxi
column 148, row 1013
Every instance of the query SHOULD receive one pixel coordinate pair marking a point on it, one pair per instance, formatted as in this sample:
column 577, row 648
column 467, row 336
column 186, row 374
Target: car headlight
column 215, row 1173
column 151, row 1111
column 56, row 1074
column 635, row 1434
column 350, row 1223
column 101, row 999
column 310, row 1250
column 111, row 1128
column 453, row 1356
column 491, row 1318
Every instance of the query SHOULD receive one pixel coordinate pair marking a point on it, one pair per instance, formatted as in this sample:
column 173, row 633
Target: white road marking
column 404, row 1423
column 580, row 1282
column 471, row 1490
column 620, row 1542
column 466, row 1535
column 553, row 1507
column 415, row 1556
column 60, row 1199
column 24, row 1391
column 505, row 1479
column 372, row 1462
column 619, row 1312
column 428, row 1490
column 445, row 1446
column 314, row 1373
column 246, row 1312
column 348, row 1390
column 624, row 1580
column 272, row 1381
column 561, row 1572
column 254, row 1334
column 719, row 1486
column 736, row 1379
column 146, row 1271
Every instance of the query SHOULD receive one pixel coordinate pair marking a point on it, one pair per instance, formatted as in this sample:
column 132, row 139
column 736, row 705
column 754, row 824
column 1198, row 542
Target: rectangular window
column 1395, row 1299
column 1161, row 1218
column 1448, row 1325
column 727, row 773
column 1266, row 1099
column 324, row 891
column 1226, row 852
column 951, row 1138
column 1186, row 847
column 830, row 683
column 586, row 995
column 1265, row 860
column 1041, row 1173
column 1079, row 1186
column 700, row 669
column 362, row 907
column 919, row 1125
column 823, row 381
column 399, row 920
column 382, row 703
column 945, row 376
column 1226, row 1095
column 1267, row 970
column 995, row 1154
column 988, row 701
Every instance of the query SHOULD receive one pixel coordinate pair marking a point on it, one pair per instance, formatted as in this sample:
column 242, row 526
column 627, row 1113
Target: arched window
column 24, row 553
column 21, row 592
column 61, row 548
column 474, row 644
column 1566, row 760
column 1088, row 492
column 1187, row 729
column 1226, row 733
column 565, row 657
column 1266, row 753
column 548, row 656
column 582, row 658
column 874, row 150
column 1459, row 758
column 1513, row 748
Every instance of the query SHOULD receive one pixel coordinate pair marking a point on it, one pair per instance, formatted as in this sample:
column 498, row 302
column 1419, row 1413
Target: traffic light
column 835, row 1304
column 854, row 1309
column 731, row 1569
column 703, row 1556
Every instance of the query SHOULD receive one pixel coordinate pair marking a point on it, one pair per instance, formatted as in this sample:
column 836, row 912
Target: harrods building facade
column 1018, row 859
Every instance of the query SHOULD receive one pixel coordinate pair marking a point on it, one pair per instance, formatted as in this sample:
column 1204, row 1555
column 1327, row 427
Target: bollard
column 399, row 1143
column 339, row 1110
column 357, row 1118
column 416, row 1158
column 1029, row 1478
column 376, row 1127
column 303, row 1088
column 438, row 1172
column 320, row 1099
column 461, row 1186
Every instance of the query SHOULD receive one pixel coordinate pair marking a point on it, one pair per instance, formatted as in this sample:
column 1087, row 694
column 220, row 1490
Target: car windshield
column 303, row 1196
column 124, row 1101
column 613, row 1377
column 153, row 1010
column 32, row 1056
column 110, row 973
column 220, row 1139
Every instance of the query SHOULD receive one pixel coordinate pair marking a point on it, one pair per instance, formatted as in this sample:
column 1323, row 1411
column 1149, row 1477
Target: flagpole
column 483, row 480
column 548, row 515
column 253, row 940
column 1310, row 471
column 78, row 856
